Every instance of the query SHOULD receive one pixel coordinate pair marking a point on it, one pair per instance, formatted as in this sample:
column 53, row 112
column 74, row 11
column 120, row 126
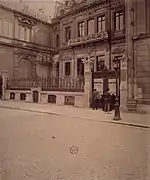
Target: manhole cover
column 74, row 150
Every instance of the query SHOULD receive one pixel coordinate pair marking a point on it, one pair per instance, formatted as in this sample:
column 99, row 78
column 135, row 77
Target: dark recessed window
column 57, row 40
column 119, row 21
column 22, row 96
column 100, row 63
column 67, row 68
column 12, row 96
column 52, row 99
column 80, row 67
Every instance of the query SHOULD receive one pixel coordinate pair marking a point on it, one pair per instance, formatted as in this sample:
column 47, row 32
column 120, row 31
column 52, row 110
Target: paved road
column 38, row 147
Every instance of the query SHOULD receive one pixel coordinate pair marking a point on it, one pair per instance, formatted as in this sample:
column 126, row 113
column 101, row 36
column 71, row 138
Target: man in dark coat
column 107, row 97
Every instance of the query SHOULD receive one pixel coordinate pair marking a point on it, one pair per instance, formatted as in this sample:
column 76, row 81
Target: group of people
column 105, row 101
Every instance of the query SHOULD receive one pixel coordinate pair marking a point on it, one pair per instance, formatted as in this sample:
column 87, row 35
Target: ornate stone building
column 138, row 49
column 84, row 36
column 24, row 42
column 89, row 28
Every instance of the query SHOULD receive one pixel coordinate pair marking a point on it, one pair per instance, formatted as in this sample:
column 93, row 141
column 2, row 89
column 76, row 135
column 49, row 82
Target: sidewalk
column 132, row 119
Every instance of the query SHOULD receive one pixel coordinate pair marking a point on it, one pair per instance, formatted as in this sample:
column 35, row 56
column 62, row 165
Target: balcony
column 88, row 39
column 43, row 58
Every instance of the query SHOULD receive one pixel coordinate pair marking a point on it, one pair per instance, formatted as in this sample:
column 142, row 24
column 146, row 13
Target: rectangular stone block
column 17, row 96
column 60, row 99
column 6, row 95
column 79, row 101
column 44, row 98
column 29, row 97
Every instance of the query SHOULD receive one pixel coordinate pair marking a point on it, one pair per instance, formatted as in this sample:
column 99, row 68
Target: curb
column 83, row 118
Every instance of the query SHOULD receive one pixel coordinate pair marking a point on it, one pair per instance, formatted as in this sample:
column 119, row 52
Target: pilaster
column 88, row 84
column 4, row 86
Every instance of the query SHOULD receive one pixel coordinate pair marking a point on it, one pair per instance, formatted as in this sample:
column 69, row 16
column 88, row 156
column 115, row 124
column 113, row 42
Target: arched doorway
column 1, row 88
column 25, row 68
column 35, row 96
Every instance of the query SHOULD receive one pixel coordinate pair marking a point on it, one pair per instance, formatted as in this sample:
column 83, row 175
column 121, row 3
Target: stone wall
column 142, row 56
column 62, row 98
column 6, row 59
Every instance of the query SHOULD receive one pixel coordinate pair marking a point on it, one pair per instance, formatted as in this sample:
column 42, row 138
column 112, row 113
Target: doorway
column 35, row 96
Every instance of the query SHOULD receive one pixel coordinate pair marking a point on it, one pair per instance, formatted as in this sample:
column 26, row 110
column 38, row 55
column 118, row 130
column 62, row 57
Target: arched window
column 57, row 40
column 25, row 68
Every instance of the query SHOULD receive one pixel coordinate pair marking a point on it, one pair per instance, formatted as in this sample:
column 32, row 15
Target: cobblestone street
column 35, row 146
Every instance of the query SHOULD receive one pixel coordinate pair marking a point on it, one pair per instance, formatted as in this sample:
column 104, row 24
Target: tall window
column 57, row 69
column 90, row 27
column 100, row 63
column 101, row 24
column 28, row 34
column 57, row 40
column 22, row 33
column 119, row 21
column 81, row 29
column 80, row 67
column 6, row 28
column 68, row 33
column 67, row 68
column 10, row 30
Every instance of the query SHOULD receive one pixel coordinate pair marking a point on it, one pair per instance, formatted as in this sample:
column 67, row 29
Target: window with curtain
column 90, row 29
column 81, row 29
column 101, row 24
column 119, row 21
column 68, row 33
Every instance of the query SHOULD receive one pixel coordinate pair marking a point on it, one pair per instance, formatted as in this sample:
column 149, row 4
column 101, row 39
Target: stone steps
column 132, row 105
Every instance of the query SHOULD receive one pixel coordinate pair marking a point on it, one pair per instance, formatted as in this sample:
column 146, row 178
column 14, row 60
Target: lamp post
column 116, row 64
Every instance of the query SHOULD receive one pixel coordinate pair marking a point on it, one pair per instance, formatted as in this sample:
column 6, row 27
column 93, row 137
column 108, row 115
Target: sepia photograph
column 74, row 89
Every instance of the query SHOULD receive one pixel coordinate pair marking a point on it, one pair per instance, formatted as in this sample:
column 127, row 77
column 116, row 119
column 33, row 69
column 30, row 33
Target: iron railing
column 48, row 84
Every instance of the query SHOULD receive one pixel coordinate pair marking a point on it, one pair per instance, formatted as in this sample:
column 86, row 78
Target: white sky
column 47, row 5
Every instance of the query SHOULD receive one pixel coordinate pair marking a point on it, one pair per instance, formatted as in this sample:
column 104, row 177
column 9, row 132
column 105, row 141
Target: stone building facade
column 84, row 35
column 84, row 29
column 138, row 49
column 24, row 43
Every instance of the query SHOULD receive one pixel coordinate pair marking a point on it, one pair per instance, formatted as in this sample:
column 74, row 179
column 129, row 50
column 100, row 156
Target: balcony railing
column 48, row 84
column 88, row 39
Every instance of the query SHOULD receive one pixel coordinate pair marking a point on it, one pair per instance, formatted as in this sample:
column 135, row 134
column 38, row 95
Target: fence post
column 4, row 86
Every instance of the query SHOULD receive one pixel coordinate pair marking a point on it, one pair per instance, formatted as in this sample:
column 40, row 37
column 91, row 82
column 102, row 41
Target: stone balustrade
column 88, row 39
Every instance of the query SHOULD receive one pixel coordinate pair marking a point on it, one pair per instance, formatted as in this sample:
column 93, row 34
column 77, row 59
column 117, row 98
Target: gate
column 1, row 88
column 104, row 79
column 35, row 96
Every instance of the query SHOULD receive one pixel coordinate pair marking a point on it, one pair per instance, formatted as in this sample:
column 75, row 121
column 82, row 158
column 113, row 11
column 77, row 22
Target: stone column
column 123, row 85
column 88, row 84
column 4, row 86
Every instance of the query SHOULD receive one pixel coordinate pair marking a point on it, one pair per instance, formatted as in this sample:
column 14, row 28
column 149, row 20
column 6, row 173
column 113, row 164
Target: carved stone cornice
column 26, row 21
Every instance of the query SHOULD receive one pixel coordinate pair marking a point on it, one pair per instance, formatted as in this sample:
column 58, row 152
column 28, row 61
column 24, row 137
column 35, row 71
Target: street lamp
column 116, row 65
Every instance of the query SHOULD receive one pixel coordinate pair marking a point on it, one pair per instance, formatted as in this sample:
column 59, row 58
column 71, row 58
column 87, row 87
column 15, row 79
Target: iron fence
column 48, row 84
